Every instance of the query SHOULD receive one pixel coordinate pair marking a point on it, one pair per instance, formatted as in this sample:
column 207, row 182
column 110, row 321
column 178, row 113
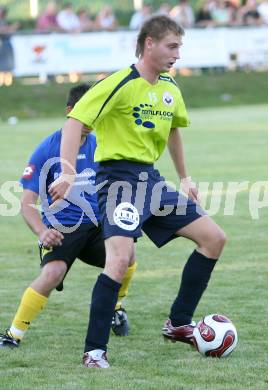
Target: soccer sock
column 125, row 284
column 32, row 303
column 194, row 281
column 104, row 297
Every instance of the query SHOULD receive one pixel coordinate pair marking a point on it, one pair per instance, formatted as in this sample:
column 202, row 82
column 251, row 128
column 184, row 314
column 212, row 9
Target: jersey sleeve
column 180, row 116
column 96, row 102
column 30, row 176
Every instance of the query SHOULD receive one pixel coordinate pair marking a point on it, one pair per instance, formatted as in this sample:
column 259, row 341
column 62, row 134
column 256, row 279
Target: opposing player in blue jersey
column 67, row 233
column 136, row 113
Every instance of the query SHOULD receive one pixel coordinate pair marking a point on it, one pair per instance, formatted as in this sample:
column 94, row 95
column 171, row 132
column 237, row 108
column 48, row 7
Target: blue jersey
column 44, row 168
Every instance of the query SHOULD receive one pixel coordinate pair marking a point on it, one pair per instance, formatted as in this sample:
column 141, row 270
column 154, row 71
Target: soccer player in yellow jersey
column 136, row 112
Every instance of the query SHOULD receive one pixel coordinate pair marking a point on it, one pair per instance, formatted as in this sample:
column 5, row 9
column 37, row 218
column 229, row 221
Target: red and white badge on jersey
column 28, row 172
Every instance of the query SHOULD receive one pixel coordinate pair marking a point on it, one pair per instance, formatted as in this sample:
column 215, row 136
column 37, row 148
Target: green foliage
column 19, row 10
column 222, row 144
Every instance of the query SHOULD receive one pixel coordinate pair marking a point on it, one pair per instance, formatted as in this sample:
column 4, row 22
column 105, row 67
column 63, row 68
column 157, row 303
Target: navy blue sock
column 104, row 298
column 194, row 281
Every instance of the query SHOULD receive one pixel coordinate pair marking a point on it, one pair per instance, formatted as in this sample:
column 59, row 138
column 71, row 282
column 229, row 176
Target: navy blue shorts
column 134, row 197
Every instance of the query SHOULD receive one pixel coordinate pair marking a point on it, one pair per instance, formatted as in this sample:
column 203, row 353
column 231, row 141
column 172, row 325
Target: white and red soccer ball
column 215, row 336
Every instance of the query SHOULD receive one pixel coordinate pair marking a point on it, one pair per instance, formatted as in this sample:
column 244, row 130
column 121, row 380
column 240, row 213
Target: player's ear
column 149, row 43
column 68, row 109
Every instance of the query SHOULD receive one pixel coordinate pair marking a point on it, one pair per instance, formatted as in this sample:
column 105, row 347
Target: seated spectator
column 47, row 20
column 139, row 17
column 203, row 16
column 86, row 22
column 263, row 11
column 5, row 26
column 105, row 19
column 223, row 13
column 248, row 14
column 183, row 14
column 67, row 20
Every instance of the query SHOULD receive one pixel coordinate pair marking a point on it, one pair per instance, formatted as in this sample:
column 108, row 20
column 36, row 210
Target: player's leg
column 119, row 254
column 186, row 219
column 51, row 275
column 55, row 263
column 93, row 253
column 33, row 301
column 120, row 322
column 210, row 240
column 121, row 223
column 123, row 292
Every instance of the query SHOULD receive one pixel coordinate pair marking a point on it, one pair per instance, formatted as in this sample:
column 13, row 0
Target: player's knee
column 216, row 242
column 119, row 254
column 116, row 267
column 54, row 272
column 119, row 251
column 220, row 238
column 122, row 261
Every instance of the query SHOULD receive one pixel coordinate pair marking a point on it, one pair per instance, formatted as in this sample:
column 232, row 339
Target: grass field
column 206, row 90
column 222, row 144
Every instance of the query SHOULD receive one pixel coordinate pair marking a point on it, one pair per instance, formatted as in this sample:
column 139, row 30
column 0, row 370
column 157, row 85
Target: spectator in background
column 86, row 22
column 106, row 19
column 223, row 13
column 248, row 14
column 6, row 50
column 203, row 16
column 67, row 20
column 140, row 16
column 47, row 20
column 164, row 9
column 263, row 11
column 5, row 26
column 183, row 14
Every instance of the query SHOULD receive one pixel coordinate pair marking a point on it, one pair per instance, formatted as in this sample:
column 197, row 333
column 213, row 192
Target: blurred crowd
column 210, row 13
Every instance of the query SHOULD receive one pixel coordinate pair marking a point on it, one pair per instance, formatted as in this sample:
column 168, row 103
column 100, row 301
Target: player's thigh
column 162, row 227
column 119, row 249
column 202, row 231
column 119, row 255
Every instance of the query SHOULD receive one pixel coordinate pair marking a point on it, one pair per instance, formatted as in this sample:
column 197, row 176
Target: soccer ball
column 215, row 335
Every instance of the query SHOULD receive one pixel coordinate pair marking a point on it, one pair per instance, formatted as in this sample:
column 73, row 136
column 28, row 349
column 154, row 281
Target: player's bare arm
column 29, row 211
column 175, row 146
column 71, row 137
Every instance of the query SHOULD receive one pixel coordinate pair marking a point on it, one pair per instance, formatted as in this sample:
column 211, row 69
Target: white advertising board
column 110, row 51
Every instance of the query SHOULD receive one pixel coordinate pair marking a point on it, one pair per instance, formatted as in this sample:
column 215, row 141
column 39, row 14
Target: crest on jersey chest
column 167, row 99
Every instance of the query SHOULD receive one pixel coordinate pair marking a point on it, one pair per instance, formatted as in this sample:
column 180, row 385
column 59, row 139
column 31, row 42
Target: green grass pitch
column 221, row 145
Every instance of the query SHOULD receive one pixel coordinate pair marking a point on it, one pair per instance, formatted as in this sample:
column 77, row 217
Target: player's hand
column 190, row 189
column 50, row 237
column 60, row 188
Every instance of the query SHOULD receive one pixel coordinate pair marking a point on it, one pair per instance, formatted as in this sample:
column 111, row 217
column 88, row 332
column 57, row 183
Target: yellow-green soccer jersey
column 132, row 117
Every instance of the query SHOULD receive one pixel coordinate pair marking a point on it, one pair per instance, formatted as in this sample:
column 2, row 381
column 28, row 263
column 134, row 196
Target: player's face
column 164, row 53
